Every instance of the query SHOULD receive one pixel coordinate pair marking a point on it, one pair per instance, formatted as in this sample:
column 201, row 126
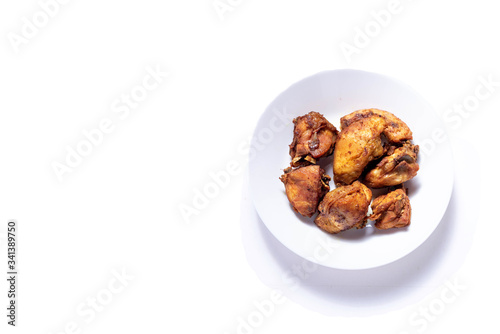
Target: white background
column 119, row 209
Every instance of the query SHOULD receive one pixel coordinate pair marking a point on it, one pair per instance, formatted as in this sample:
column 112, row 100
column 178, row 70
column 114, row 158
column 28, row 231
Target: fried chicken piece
column 400, row 165
column 360, row 141
column 357, row 144
column 391, row 210
column 344, row 208
column 395, row 130
column 305, row 187
column 313, row 137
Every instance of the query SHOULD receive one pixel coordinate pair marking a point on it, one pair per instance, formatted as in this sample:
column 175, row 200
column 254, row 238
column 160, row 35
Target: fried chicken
column 305, row 187
column 313, row 137
column 344, row 208
column 360, row 141
column 391, row 210
column 357, row 145
column 395, row 130
column 400, row 165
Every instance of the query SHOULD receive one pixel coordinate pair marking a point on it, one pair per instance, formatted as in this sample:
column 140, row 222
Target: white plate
column 335, row 94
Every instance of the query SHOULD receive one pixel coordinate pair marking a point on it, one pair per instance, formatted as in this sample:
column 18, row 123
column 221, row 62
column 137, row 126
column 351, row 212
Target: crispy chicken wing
column 391, row 210
column 343, row 208
column 395, row 129
column 400, row 165
column 313, row 137
column 357, row 145
column 305, row 187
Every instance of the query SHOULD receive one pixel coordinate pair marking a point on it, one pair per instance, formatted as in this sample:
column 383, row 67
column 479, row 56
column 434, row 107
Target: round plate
column 335, row 94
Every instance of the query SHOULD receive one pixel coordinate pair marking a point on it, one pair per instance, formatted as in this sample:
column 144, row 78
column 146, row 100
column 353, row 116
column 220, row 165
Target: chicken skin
column 357, row 145
column 360, row 141
column 400, row 165
column 395, row 129
column 344, row 208
column 305, row 187
column 313, row 137
column 391, row 210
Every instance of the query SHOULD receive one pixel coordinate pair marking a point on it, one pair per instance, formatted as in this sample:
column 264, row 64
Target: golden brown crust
column 395, row 129
column 356, row 146
column 400, row 165
column 305, row 187
column 360, row 141
column 392, row 210
column 344, row 208
column 367, row 135
column 313, row 137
